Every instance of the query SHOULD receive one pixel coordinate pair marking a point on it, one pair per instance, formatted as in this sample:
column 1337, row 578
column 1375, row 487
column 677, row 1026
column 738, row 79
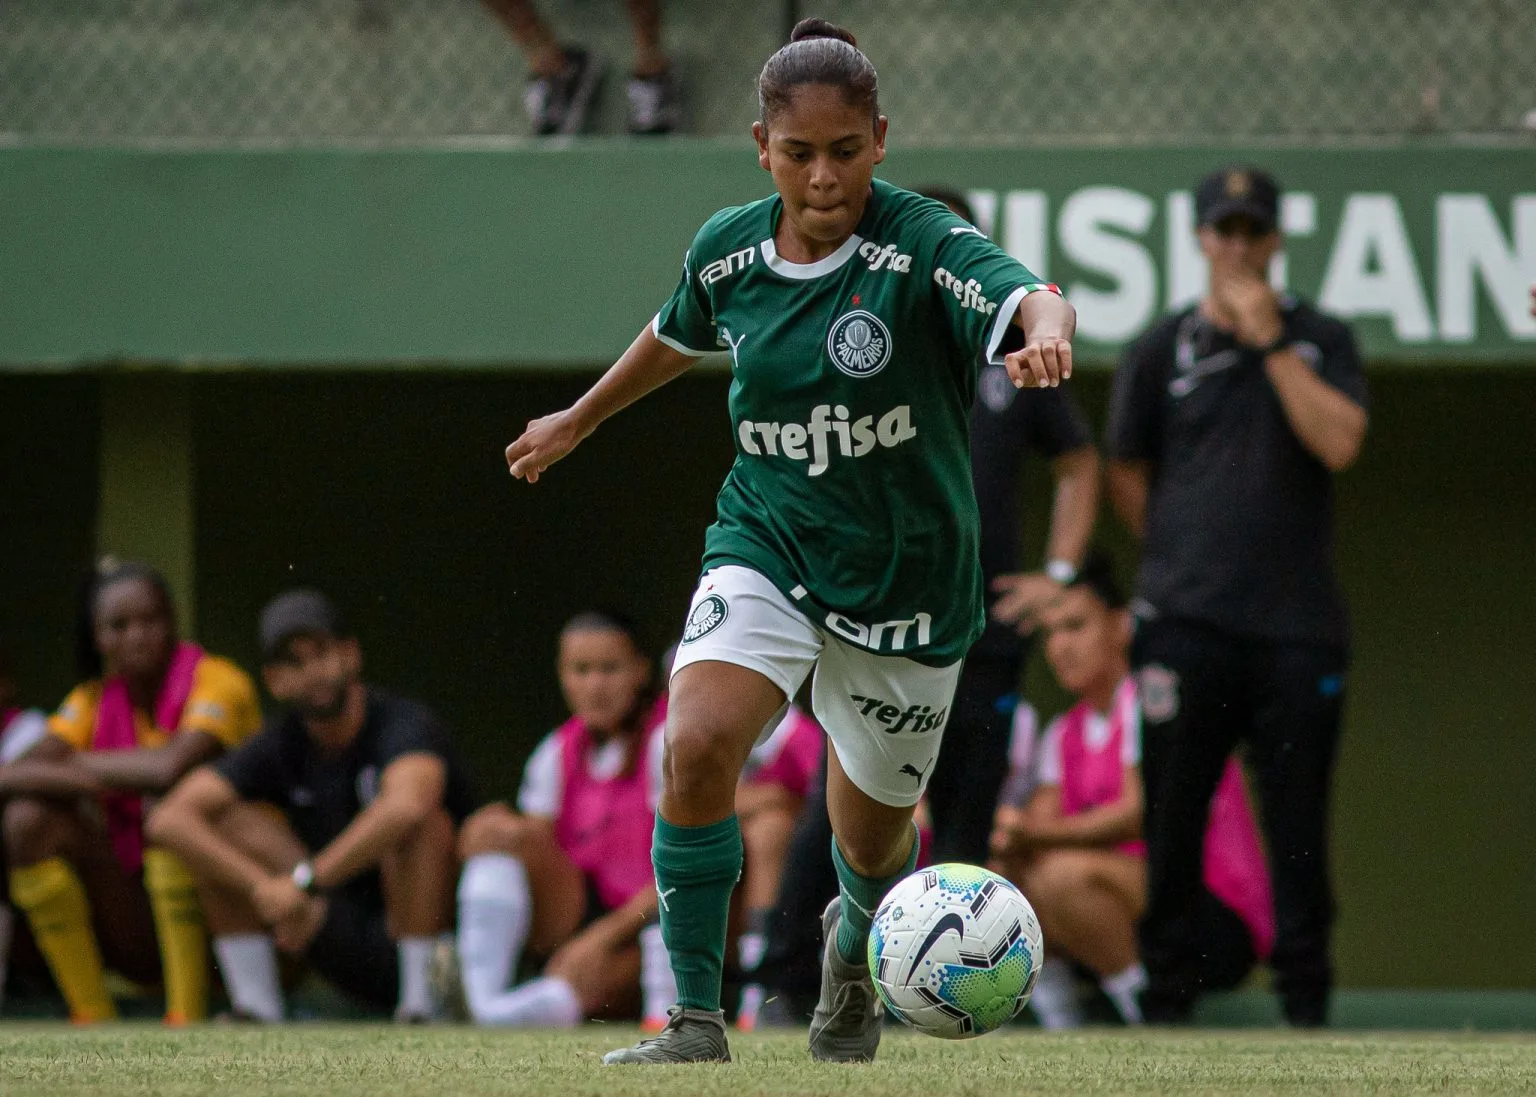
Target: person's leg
column 418, row 876
column 767, row 813
column 1226, row 947
column 1292, row 748
column 1193, row 707
column 531, row 33
column 791, row 967
column 969, row 775
column 63, row 872
column 518, row 888
column 645, row 21
column 182, row 933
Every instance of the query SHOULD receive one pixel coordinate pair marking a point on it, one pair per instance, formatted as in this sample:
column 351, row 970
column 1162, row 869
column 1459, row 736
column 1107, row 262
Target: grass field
column 380, row 1060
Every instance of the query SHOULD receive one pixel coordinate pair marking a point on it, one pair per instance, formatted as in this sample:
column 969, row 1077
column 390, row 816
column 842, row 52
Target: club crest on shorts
column 707, row 616
column 1158, row 690
column 860, row 345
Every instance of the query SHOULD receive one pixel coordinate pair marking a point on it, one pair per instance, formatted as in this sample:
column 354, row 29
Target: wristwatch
column 1061, row 571
column 304, row 878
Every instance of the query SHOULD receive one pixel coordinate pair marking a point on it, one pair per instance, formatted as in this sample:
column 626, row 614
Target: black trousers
column 1204, row 692
column 962, row 793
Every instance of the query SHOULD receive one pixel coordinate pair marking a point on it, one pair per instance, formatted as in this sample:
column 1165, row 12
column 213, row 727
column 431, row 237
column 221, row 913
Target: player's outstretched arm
column 1048, row 322
column 646, row 365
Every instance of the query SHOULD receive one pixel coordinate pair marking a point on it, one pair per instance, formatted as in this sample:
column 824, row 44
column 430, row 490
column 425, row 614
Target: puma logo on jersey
column 917, row 719
column 831, row 429
column 887, row 257
column 968, row 293
column 724, row 268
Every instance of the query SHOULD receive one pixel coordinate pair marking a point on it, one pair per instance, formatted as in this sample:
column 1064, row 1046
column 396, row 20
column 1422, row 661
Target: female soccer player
column 151, row 709
column 856, row 315
column 569, row 873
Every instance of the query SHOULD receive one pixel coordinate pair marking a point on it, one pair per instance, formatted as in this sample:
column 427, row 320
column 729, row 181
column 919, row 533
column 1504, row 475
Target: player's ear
column 760, row 135
column 881, row 124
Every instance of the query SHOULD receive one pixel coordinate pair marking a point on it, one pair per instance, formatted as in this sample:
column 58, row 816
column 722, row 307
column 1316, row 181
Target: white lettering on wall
column 1372, row 271
column 1087, row 231
column 1471, row 249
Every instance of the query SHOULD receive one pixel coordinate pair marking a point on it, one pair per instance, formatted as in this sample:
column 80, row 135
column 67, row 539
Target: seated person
column 150, row 708
column 780, row 771
column 20, row 730
column 567, row 877
column 330, row 835
column 1074, row 847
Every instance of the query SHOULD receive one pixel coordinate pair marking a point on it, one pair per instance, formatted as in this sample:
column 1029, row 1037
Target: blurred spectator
column 20, row 730
column 1072, row 841
column 567, row 876
column 780, row 772
column 563, row 78
column 150, row 708
column 330, row 835
column 1227, row 420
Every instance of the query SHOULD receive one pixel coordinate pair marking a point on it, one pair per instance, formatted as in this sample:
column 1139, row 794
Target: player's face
column 1084, row 639
column 822, row 152
column 134, row 631
column 602, row 677
column 313, row 675
column 1239, row 242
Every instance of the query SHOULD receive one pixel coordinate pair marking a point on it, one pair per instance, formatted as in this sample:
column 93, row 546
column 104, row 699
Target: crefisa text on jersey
column 855, row 437
column 887, row 257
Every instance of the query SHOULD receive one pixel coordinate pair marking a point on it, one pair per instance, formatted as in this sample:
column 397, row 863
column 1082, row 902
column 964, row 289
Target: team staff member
column 1227, row 423
column 856, row 314
column 354, row 871
column 151, row 708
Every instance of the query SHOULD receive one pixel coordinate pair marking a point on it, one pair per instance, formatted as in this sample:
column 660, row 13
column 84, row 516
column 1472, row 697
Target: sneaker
column 846, row 1025
column 447, row 983
column 690, row 1036
column 558, row 104
column 654, row 106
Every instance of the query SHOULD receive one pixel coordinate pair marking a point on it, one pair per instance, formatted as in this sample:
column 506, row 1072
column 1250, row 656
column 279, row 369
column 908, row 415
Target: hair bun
column 820, row 28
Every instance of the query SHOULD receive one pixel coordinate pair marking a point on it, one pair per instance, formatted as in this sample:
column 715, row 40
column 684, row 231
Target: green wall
column 389, row 490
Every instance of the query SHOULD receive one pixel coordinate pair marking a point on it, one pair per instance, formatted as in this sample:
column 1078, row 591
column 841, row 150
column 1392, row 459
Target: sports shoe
column 690, row 1036
column 846, row 1025
column 654, row 106
column 446, row 983
column 558, row 103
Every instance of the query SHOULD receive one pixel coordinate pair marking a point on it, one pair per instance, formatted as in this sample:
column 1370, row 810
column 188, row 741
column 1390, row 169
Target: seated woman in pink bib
column 566, row 877
column 1069, row 830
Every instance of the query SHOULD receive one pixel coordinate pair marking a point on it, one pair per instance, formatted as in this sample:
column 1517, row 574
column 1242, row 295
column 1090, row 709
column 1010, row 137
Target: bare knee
column 495, row 828
column 34, row 830
column 704, row 758
column 1056, row 873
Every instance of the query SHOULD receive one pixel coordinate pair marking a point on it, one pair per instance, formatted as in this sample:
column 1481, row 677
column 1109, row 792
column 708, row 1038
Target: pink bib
column 604, row 826
column 1092, row 777
column 115, row 731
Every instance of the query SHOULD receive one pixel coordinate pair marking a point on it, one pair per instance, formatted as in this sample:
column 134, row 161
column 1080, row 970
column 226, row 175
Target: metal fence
column 986, row 70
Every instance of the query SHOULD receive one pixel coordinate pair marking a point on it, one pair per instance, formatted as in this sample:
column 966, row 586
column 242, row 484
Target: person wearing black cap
column 1227, row 423
column 357, row 875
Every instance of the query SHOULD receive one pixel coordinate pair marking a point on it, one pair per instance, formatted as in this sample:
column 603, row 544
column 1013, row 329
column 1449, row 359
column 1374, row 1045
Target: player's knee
column 493, row 829
column 1056, row 873
column 701, row 757
column 30, row 827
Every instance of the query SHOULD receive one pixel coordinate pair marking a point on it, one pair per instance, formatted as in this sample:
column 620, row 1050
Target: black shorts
column 353, row 949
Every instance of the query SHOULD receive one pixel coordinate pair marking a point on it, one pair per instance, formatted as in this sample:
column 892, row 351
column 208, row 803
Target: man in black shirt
column 1226, row 424
column 356, row 872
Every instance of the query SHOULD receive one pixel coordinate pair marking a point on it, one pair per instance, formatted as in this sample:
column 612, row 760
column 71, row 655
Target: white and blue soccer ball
column 955, row 950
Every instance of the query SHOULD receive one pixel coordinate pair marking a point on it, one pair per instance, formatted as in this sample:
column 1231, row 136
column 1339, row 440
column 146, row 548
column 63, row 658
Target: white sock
column 658, row 986
column 249, row 964
column 495, row 910
column 415, row 980
column 1055, row 996
column 7, row 931
column 546, row 1003
column 750, row 947
column 1123, row 989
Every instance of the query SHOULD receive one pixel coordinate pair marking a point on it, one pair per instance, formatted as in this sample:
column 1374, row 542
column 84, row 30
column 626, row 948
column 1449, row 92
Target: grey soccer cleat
column 690, row 1036
column 846, row 1025
column 447, row 983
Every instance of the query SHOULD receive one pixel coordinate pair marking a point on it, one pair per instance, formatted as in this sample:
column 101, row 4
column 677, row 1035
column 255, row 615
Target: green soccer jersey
column 850, row 399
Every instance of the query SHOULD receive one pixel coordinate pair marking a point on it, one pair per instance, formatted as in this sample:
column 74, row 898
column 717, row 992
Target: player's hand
column 1007, row 827
column 1044, row 362
column 1020, row 598
column 543, row 443
column 294, row 933
column 277, row 898
column 1250, row 301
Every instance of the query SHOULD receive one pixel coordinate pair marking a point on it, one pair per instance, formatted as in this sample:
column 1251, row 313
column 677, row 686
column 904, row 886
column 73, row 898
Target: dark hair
column 818, row 53
column 109, row 572
column 1098, row 575
column 951, row 198
column 606, row 620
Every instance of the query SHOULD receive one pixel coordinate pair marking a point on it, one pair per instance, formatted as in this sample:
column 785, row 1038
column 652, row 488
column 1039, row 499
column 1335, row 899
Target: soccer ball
column 954, row 951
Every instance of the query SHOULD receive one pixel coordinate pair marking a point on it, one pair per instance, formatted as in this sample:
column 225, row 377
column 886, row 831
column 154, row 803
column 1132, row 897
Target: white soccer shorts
column 884, row 715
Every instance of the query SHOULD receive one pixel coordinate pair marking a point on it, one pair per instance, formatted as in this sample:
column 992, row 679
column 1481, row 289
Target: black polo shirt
column 1005, row 423
column 1239, row 527
column 320, row 792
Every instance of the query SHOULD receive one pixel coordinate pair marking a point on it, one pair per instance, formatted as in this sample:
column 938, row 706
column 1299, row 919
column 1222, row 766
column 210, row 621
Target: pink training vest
column 124, row 811
column 605, row 826
column 1234, row 868
column 796, row 758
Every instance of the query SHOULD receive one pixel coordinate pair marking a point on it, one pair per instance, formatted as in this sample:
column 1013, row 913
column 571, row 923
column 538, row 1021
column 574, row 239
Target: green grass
column 381, row 1061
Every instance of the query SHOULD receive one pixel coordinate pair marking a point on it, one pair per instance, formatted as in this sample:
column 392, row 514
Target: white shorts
column 885, row 715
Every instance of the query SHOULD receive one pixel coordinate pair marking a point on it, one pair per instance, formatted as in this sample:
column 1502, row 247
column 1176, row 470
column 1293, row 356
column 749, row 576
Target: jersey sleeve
column 686, row 323
column 411, row 728
column 255, row 768
column 22, row 734
column 1340, row 364
column 75, row 720
column 541, row 790
column 978, row 285
column 222, row 703
column 655, row 770
column 1134, row 430
column 1130, row 737
column 1050, row 754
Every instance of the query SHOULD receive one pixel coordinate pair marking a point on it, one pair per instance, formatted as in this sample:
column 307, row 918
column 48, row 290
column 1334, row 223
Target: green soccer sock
column 860, row 895
column 696, row 871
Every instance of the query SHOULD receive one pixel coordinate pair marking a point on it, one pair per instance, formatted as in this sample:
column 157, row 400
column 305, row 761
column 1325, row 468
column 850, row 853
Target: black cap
column 1238, row 191
column 293, row 613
